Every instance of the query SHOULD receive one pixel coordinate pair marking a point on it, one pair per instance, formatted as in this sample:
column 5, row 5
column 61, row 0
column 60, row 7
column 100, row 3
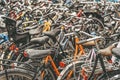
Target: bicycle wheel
column 71, row 71
column 15, row 74
column 112, row 75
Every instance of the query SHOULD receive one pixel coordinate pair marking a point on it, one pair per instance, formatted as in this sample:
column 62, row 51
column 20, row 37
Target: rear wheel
column 15, row 74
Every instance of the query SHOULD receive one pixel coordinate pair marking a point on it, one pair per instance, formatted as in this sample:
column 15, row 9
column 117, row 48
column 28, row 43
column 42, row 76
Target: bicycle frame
column 76, row 54
column 78, row 46
column 98, row 57
column 63, row 43
column 47, row 59
column 47, row 25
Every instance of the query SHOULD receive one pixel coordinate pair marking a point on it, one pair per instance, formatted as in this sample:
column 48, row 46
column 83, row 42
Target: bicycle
column 90, row 71
column 43, row 58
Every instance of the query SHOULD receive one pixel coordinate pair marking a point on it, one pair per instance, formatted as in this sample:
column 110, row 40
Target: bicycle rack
column 8, row 64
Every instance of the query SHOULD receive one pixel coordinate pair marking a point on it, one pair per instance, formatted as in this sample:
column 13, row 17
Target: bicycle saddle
column 40, row 40
column 52, row 34
column 32, row 53
column 107, row 51
column 116, row 52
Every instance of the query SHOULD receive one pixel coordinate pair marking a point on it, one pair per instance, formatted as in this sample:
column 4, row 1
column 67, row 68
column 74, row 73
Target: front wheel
column 111, row 75
column 71, row 71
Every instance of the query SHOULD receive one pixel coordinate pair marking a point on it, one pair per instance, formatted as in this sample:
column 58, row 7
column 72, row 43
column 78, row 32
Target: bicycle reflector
column 12, row 47
column 25, row 54
column 79, row 14
column 62, row 64
column 16, row 50
column 13, row 65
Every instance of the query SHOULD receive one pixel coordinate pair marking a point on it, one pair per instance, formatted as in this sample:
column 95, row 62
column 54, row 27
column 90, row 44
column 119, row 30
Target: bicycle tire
column 112, row 75
column 16, row 74
column 27, row 75
column 66, row 70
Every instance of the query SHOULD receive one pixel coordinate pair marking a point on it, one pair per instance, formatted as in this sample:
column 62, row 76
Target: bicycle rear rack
column 87, row 68
column 8, row 64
